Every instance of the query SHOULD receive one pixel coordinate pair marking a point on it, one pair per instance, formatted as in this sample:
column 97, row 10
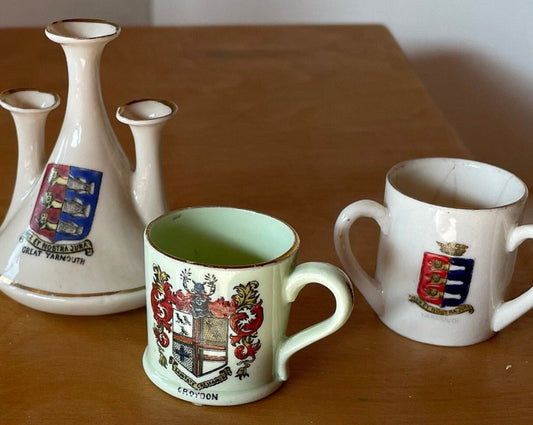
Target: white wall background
column 474, row 56
column 39, row 13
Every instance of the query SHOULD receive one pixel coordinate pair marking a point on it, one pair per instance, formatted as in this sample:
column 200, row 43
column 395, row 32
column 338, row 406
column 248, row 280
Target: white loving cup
column 219, row 284
column 447, row 248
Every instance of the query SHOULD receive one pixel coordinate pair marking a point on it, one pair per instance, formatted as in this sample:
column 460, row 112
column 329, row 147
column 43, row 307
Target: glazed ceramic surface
column 71, row 242
column 449, row 231
column 219, row 286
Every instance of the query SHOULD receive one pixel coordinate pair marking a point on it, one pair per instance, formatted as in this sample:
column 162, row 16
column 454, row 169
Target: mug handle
column 370, row 288
column 338, row 283
column 509, row 311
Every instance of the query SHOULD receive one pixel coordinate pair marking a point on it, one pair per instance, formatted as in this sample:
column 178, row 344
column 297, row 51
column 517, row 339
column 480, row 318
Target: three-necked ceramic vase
column 71, row 241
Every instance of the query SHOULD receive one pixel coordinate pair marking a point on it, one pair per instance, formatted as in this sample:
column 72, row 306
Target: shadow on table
column 489, row 105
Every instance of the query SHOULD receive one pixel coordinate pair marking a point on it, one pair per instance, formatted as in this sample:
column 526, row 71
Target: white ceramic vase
column 71, row 242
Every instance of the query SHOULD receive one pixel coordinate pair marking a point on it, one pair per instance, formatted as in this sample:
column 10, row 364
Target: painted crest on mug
column 198, row 328
column 64, row 210
column 445, row 281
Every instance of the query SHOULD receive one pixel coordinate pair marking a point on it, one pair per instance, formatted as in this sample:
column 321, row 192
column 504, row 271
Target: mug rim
column 286, row 254
column 463, row 161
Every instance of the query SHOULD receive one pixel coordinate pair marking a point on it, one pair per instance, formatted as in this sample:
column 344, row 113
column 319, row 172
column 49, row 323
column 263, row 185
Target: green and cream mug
column 219, row 286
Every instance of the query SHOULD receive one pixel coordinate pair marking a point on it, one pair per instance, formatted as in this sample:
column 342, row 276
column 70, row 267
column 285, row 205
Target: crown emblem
column 453, row 248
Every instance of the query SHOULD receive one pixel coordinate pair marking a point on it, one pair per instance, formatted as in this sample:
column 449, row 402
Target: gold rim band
column 12, row 284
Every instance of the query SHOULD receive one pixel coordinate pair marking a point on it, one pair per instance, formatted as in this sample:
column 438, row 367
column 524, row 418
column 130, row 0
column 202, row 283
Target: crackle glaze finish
column 449, row 233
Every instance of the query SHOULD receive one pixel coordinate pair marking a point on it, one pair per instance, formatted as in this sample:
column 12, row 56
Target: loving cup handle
column 509, row 311
column 338, row 283
column 370, row 288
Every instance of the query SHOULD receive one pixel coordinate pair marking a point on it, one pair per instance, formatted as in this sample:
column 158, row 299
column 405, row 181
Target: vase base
column 75, row 304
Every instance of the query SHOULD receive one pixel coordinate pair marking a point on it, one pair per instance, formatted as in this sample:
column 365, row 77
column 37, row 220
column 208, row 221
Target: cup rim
column 464, row 161
column 288, row 253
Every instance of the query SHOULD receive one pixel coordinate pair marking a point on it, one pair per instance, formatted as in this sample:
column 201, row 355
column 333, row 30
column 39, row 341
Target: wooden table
column 292, row 121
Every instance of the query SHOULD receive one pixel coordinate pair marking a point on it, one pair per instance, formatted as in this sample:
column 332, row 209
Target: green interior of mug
column 220, row 236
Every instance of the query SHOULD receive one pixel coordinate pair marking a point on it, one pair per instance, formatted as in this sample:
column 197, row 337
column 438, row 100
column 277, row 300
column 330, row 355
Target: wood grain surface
column 294, row 121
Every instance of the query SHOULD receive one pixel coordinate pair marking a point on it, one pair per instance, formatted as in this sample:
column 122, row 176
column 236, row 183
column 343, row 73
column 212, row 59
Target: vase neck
column 83, row 42
column 84, row 97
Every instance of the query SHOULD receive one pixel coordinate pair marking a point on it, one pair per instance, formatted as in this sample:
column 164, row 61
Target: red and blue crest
column 444, row 281
column 66, row 203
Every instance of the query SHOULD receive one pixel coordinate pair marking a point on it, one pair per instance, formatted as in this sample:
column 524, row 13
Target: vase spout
column 29, row 109
column 146, row 119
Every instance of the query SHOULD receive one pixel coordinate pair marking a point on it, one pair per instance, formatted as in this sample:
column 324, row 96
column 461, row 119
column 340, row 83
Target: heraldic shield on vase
column 445, row 280
column 64, row 210
column 70, row 242
column 205, row 340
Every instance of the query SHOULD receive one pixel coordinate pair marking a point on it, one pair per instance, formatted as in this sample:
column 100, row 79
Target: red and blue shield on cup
column 444, row 280
column 66, row 203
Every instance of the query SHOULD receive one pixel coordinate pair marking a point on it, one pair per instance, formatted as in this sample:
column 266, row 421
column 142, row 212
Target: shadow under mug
column 219, row 286
column 447, row 248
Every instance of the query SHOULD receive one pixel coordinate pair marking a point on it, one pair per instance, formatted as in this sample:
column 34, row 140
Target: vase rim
column 28, row 100
column 82, row 29
column 146, row 111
